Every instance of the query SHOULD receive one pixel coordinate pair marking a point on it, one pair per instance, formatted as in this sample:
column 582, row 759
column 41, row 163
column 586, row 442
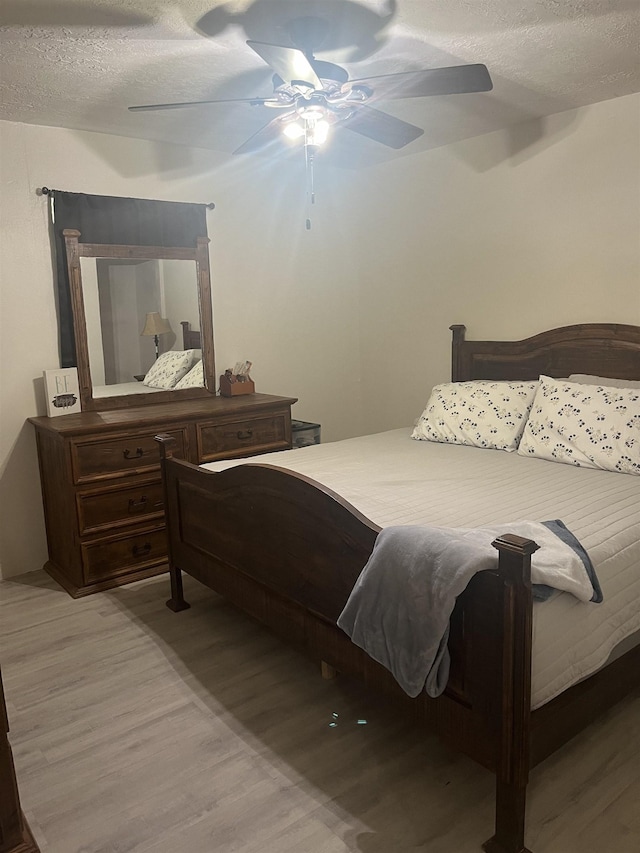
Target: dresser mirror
column 131, row 306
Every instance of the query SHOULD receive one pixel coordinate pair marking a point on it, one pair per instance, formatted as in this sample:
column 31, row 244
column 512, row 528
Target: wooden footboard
column 288, row 552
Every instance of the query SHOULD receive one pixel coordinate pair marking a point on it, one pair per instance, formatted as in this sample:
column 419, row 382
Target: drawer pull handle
column 134, row 506
column 141, row 550
column 128, row 455
column 244, row 434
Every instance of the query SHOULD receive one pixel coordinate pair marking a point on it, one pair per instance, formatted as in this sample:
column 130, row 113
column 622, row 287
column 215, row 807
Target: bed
column 288, row 550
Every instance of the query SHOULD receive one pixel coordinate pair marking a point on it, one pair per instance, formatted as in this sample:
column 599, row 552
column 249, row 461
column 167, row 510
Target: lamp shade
column 155, row 325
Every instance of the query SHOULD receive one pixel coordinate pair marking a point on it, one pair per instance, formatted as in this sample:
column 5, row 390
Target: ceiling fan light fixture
column 316, row 132
column 311, row 113
column 293, row 130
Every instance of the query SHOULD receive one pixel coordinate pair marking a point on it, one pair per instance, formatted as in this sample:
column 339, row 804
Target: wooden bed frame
column 190, row 337
column 288, row 551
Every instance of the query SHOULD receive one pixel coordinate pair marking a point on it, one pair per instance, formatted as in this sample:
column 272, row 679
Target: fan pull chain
column 311, row 195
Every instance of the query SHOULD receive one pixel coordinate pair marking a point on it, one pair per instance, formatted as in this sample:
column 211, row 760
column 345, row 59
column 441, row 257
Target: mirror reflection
column 135, row 311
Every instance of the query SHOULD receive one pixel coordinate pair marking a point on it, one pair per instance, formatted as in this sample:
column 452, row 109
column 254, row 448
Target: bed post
column 456, row 352
column 512, row 772
column 176, row 602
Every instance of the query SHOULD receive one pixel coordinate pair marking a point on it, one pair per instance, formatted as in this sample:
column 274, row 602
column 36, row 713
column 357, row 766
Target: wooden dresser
column 101, row 483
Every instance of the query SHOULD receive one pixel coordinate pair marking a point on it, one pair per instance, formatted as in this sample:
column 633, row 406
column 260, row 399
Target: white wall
column 280, row 300
column 178, row 299
column 510, row 244
column 507, row 233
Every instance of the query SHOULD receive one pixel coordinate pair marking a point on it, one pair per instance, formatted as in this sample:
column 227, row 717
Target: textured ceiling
column 80, row 63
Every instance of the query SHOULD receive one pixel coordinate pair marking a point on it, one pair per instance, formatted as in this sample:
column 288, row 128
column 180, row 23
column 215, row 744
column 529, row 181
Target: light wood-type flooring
column 137, row 729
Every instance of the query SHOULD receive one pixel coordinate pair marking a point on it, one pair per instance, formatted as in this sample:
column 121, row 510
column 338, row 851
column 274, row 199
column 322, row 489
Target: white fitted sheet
column 124, row 389
column 393, row 479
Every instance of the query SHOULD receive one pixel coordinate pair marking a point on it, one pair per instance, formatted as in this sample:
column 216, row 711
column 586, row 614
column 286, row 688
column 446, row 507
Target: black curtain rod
column 46, row 191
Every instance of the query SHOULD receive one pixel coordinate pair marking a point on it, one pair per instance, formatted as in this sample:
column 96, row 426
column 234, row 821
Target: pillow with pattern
column 482, row 413
column 591, row 426
column 169, row 368
column 193, row 379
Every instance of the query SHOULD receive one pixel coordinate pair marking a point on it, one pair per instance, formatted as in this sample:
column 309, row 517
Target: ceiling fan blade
column 382, row 127
column 267, row 134
column 257, row 102
column 455, row 80
column 289, row 63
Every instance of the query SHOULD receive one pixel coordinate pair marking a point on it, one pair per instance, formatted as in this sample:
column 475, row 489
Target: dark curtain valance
column 110, row 219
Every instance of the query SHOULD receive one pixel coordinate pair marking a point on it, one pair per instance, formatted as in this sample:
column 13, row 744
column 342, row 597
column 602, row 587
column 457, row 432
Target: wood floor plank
column 137, row 729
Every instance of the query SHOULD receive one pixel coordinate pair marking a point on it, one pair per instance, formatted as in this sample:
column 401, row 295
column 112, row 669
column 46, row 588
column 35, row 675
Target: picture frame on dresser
column 61, row 391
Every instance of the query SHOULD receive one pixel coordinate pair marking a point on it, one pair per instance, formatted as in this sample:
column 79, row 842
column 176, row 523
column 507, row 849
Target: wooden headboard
column 190, row 338
column 601, row 349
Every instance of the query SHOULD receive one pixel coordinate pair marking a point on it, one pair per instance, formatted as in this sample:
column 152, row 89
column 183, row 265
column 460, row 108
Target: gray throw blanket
column 400, row 606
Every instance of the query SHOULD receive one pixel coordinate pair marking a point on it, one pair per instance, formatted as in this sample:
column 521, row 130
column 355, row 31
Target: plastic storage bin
column 304, row 433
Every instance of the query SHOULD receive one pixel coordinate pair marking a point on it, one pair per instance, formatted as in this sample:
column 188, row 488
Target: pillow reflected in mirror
column 193, row 379
column 169, row 369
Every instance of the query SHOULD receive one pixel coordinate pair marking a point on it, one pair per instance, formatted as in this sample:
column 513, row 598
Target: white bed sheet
column 393, row 479
column 123, row 389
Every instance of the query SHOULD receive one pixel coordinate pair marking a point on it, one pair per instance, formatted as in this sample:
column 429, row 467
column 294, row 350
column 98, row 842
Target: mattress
column 393, row 479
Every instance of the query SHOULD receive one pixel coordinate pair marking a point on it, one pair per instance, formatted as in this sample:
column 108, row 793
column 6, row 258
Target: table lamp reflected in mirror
column 155, row 325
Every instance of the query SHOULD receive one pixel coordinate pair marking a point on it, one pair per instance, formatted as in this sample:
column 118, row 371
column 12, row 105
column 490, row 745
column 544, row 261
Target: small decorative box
column 234, row 386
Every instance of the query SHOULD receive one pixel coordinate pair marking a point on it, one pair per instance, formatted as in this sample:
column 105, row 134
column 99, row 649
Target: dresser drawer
column 117, row 555
column 135, row 453
column 116, row 506
column 240, row 438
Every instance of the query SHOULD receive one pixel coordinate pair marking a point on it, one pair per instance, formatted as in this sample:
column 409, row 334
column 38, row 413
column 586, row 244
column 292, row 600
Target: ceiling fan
column 313, row 96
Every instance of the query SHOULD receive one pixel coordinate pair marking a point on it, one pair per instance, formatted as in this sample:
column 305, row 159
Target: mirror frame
column 200, row 254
